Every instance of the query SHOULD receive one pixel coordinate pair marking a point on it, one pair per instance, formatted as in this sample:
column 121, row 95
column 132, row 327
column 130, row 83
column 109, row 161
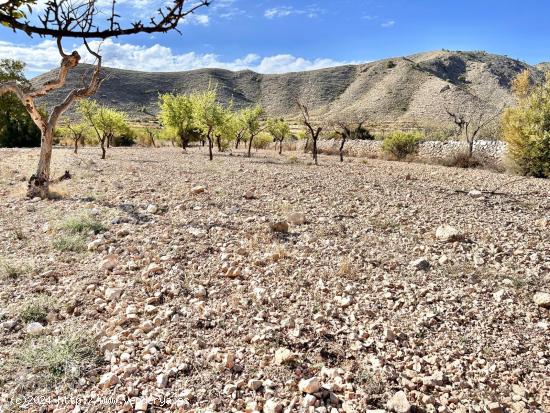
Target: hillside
column 409, row 90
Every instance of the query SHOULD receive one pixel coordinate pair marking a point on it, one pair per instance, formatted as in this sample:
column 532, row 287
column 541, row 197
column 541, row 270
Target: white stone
column 113, row 294
column 95, row 244
column 35, row 329
column 153, row 268
column 199, row 189
column 162, row 381
column 200, row 292
column 542, row 299
column 108, row 380
column 273, row 406
column 399, row 403
column 499, row 295
column 152, row 209
column 309, row 386
column 448, row 233
column 284, row 356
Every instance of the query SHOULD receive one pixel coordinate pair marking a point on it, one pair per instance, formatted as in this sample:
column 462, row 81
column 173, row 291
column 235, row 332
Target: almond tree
column 85, row 20
column 106, row 122
column 472, row 115
column 176, row 113
column 279, row 130
column 209, row 115
column 240, row 127
column 153, row 133
column 252, row 120
column 78, row 133
column 349, row 126
column 313, row 129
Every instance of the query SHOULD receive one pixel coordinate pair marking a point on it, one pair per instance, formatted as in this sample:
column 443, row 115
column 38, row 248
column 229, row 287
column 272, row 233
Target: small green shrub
column 401, row 144
column 262, row 141
column 526, row 129
column 81, row 224
column 390, row 64
column 10, row 271
column 63, row 358
column 70, row 243
column 36, row 309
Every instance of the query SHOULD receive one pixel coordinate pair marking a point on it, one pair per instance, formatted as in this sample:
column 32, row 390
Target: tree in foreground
column 279, row 130
column 313, row 129
column 16, row 126
column 85, row 20
column 526, row 128
column 252, row 119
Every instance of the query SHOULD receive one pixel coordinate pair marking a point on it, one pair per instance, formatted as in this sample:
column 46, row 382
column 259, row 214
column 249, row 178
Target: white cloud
column 285, row 11
column 157, row 58
column 388, row 24
column 199, row 19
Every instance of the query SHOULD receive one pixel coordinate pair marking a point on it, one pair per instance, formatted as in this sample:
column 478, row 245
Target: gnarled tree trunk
column 250, row 146
column 103, row 151
column 38, row 185
column 342, row 148
column 210, row 144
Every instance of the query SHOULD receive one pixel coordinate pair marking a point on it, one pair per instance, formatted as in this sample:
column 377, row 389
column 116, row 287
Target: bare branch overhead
column 83, row 19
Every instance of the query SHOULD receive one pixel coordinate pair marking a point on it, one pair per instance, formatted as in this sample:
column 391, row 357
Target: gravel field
column 160, row 281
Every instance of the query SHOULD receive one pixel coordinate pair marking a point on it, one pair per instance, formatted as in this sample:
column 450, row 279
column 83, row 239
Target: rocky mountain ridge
column 402, row 91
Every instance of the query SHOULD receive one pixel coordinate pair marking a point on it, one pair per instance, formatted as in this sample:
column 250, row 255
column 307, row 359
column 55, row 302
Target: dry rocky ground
column 158, row 276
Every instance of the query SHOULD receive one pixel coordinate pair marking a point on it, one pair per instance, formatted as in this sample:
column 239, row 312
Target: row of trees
column 200, row 117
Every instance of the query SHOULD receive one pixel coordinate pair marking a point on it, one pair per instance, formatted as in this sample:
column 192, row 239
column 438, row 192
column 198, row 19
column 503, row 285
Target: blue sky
column 273, row 36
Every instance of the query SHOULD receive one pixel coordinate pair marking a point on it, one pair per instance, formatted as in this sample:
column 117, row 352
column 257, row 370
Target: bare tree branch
column 62, row 19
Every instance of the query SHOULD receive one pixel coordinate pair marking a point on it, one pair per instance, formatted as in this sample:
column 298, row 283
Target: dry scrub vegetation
column 388, row 286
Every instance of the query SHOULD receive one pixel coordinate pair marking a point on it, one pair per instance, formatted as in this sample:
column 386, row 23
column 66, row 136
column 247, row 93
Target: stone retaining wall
column 494, row 151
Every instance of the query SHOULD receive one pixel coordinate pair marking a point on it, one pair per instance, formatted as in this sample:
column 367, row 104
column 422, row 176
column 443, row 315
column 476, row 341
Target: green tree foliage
column 239, row 127
column 209, row 115
column 76, row 132
column 526, row 128
column 110, row 126
column 177, row 116
column 279, row 130
column 229, row 129
column 252, row 119
column 17, row 129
